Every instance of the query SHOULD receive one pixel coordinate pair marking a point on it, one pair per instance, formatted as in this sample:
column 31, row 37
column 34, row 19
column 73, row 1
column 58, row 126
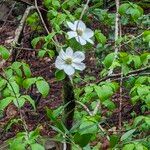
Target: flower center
column 79, row 32
column 68, row 61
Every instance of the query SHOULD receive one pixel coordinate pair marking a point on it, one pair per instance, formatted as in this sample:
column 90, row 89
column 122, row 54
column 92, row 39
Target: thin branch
column 116, row 76
column 84, row 9
column 44, row 25
column 116, row 35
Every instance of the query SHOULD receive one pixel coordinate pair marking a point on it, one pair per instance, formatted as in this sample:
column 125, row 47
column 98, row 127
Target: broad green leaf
column 4, row 53
column 137, row 61
column 5, row 102
column 108, row 60
column 16, row 67
column 2, row 83
column 100, row 37
column 37, row 146
column 28, row 82
column 19, row 102
column 123, row 8
column 127, row 134
column 109, row 104
column 41, row 53
column 138, row 120
column 14, row 87
column 88, row 89
column 82, row 140
column 128, row 147
column 114, row 139
column 60, row 75
column 43, row 87
column 35, row 41
column 26, row 70
column 56, row 4
column 143, row 90
column 103, row 92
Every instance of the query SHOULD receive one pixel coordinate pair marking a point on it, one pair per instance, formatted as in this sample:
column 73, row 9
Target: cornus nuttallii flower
column 70, row 61
column 80, row 32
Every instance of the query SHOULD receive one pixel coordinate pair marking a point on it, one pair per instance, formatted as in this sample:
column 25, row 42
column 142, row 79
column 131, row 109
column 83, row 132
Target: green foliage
column 24, row 140
column 130, row 11
column 4, row 53
column 34, row 22
column 60, row 75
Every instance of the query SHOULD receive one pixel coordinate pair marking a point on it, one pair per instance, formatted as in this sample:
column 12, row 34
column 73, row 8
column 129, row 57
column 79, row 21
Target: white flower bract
column 69, row 61
column 80, row 32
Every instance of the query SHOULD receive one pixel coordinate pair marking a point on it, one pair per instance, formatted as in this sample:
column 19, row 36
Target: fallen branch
column 131, row 73
column 18, row 32
column 18, row 35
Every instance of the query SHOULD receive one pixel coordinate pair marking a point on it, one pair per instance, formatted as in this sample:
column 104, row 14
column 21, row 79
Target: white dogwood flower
column 80, row 32
column 69, row 61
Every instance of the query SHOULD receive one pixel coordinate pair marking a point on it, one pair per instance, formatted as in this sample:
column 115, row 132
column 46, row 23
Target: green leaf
column 143, row 90
column 19, row 102
column 2, row 83
column 16, row 67
column 100, row 37
column 88, row 125
column 82, row 140
column 146, row 36
column 41, row 53
column 103, row 92
column 108, row 60
column 28, row 82
column 123, row 8
column 26, row 70
column 60, row 75
column 43, row 87
column 4, row 53
column 109, row 104
column 88, row 89
column 56, row 4
column 137, row 61
column 128, row 147
column 5, row 102
column 28, row 98
column 127, row 134
column 114, row 139
column 14, row 87
column 138, row 120
column 37, row 146
column 35, row 41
